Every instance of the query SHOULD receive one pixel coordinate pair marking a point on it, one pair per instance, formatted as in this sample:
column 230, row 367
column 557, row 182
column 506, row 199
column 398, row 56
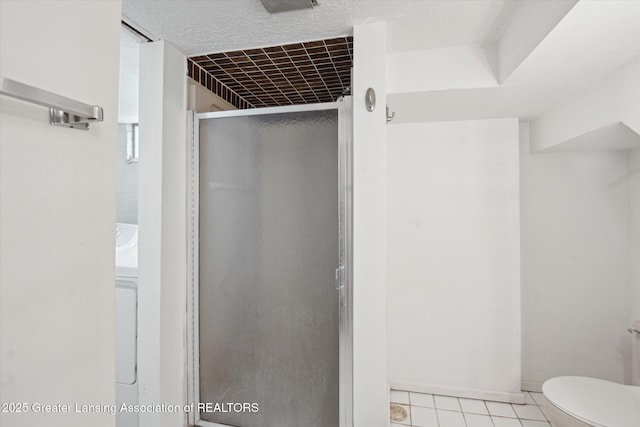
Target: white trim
column 193, row 356
column 270, row 110
column 204, row 423
column 497, row 396
column 532, row 386
column 345, row 215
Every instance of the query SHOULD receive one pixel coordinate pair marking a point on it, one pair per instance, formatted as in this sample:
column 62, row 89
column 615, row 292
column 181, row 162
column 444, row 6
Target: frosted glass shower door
column 268, row 251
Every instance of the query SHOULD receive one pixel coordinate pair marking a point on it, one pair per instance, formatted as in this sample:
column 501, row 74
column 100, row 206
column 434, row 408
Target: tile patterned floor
column 427, row 410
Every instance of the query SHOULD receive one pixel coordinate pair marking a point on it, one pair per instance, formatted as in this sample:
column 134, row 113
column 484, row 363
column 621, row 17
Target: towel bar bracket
column 69, row 120
column 63, row 111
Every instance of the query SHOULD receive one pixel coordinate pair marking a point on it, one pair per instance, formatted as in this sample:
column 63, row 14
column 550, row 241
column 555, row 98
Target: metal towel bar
column 63, row 111
column 633, row 331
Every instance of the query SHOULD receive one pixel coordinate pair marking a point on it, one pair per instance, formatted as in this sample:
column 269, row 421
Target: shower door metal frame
column 344, row 270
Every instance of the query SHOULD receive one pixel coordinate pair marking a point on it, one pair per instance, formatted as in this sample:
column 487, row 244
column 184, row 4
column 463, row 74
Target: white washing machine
column 126, row 322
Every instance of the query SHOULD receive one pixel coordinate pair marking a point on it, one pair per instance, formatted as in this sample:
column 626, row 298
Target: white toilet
column 582, row 401
column 126, row 322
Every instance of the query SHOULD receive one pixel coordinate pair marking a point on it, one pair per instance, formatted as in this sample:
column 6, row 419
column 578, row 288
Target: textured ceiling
column 298, row 73
column 203, row 26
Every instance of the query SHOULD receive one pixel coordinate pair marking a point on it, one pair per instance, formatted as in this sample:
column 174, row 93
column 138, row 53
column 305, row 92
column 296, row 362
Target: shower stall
column 270, row 338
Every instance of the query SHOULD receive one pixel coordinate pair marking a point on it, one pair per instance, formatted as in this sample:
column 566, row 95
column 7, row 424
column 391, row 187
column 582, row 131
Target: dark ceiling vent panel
column 277, row 6
column 300, row 73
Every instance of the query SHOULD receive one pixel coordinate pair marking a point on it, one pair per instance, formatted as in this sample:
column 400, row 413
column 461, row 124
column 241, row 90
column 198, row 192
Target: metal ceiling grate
column 300, row 73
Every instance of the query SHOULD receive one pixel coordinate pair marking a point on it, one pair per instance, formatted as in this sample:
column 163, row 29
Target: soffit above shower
column 292, row 74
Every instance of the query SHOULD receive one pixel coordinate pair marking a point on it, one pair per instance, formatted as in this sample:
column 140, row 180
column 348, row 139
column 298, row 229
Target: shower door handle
column 340, row 278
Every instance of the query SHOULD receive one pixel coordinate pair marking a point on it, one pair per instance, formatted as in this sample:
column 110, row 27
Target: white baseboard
column 498, row 396
column 532, row 386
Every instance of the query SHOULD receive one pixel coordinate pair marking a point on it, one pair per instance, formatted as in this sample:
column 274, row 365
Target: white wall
column 458, row 67
column 454, row 258
column 202, row 100
column 615, row 99
column 575, row 264
column 126, row 182
column 57, row 207
column 371, row 403
column 530, row 24
column 129, row 86
column 634, row 193
column 634, row 254
column 162, row 232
